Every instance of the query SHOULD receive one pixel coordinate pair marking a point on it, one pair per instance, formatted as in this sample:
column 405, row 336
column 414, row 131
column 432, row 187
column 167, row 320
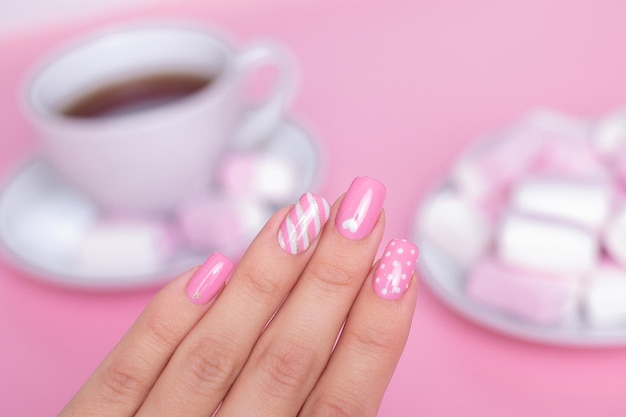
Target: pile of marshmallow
column 537, row 220
column 58, row 227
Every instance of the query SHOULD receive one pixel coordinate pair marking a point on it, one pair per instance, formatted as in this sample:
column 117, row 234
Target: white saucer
column 446, row 278
column 43, row 222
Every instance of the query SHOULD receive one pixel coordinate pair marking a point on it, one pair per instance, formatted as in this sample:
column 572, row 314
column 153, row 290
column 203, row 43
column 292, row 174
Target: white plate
column 44, row 243
column 446, row 278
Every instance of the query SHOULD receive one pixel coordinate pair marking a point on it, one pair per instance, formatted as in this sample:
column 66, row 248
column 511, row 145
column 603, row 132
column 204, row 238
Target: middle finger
column 291, row 354
column 208, row 361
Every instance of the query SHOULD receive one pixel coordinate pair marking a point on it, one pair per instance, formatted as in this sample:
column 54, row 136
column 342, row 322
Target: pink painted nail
column 360, row 208
column 207, row 281
column 394, row 272
column 303, row 223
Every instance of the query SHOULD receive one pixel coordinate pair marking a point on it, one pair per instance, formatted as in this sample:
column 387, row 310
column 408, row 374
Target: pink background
column 394, row 90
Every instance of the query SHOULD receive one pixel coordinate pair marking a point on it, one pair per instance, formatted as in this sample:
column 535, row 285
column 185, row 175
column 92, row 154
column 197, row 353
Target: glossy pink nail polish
column 360, row 208
column 206, row 282
column 394, row 272
column 303, row 223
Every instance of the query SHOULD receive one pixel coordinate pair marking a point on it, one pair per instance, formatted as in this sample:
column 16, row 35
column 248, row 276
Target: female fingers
column 206, row 364
column 292, row 353
column 372, row 340
column 180, row 358
column 122, row 381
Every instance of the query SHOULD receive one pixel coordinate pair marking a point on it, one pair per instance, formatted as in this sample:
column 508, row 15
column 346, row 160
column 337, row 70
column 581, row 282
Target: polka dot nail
column 395, row 270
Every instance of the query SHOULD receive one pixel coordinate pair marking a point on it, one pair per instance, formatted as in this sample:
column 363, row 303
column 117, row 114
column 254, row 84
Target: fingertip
column 303, row 223
column 207, row 281
column 396, row 269
column 360, row 208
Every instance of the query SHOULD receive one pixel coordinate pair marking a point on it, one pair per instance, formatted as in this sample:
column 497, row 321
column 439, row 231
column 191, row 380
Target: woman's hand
column 306, row 325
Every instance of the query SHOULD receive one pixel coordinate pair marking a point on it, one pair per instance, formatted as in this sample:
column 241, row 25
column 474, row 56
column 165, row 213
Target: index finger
column 123, row 379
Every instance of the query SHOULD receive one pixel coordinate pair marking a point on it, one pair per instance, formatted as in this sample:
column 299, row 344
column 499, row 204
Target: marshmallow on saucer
column 492, row 167
column 546, row 141
column 605, row 298
column 566, row 148
column 618, row 166
column 608, row 135
column 212, row 222
column 46, row 220
column 573, row 159
column 614, row 238
column 127, row 246
column 546, row 299
column 260, row 176
column 543, row 245
column 555, row 125
column 583, row 203
column 456, row 226
column 53, row 228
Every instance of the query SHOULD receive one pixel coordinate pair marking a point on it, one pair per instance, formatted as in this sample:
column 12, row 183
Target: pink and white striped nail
column 303, row 223
column 395, row 270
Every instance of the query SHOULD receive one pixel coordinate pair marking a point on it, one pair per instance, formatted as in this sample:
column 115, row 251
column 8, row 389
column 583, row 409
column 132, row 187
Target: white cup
column 152, row 159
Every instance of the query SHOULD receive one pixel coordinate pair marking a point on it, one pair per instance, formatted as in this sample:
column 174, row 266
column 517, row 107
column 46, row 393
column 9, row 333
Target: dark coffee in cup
column 136, row 95
column 139, row 116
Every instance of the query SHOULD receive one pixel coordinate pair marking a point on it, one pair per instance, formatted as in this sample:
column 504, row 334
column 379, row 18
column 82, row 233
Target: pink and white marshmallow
column 608, row 136
column 614, row 238
column 571, row 159
column 540, row 298
column 604, row 301
column 489, row 169
column 582, row 203
column 537, row 244
column 120, row 246
column 211, row 222
column 262, row 176
column 554, row 125
column 456, row 226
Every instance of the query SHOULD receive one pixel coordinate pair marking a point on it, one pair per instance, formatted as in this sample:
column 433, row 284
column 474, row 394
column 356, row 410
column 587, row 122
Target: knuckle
column 286, row 367
column 162, row 329
column 330, row 277
column 211, row 366
column 371, row 340
column 123, row 383
column 337, row 407
column 262, row 283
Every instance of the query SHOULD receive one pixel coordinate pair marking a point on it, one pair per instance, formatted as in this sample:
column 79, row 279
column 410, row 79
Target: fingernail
column 394, row 272
column 360, row 208
column 303, row 223
column 207, row 281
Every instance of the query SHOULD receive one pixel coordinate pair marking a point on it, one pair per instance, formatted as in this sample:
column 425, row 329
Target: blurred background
column 395, row 90
column 23, row 16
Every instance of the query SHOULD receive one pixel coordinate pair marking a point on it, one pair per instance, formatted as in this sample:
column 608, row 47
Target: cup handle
column 259, row 122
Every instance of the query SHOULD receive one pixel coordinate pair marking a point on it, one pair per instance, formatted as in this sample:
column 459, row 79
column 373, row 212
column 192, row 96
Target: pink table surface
column 394, row 90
